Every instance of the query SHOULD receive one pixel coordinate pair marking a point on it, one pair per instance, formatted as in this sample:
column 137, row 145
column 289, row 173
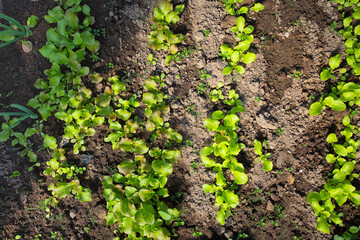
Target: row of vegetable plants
column 224, row 153
column 339, row 188
column 134, row 194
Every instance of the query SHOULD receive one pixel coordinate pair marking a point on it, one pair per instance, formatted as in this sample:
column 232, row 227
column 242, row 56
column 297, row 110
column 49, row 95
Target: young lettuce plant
column 162, row 37
column 267, row 164
column 239, row 54
column 232, row 8
column 58, row 168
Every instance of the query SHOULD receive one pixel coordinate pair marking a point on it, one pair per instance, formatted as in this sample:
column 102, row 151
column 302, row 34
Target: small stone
column 27, row 46
column 100, row 212
column 86, row 159
column 228, row 234
column 220, row 230
column 269, row 207
column 72, row 213
column 274, row 197
column 63, row 141
column 290, row 179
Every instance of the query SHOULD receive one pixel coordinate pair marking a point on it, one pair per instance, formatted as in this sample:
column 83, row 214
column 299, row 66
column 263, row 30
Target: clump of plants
column 339, row 187
column 135, row 193
column 161, row 37
column 235, row 56
column 222, row 155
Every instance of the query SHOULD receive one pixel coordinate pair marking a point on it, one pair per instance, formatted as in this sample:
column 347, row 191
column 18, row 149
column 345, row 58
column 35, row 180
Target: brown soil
column 290, row 36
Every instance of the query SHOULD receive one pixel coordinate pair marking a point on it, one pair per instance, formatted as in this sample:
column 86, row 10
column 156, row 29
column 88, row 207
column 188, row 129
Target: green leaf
column 230, row 198
column 325, row 74
column 336, row 105
column 149, row 99
column 217, row 115
column 335, row 61
column 331, row 138
column 211, row 124
column 32, row 21
column 347, row 21
column 355, row 198
column 164, row 215
column 163, row 168
column 209, row 188
column 258, row 147
column 227, row 70
column 84, row 196
column 235, row 57
column 257, row 7
column 61, row 190
column 50, row 142
column 248, row 58
column 123, row 114
column 231, row 120
column 220, row 216
column 340, row 150
column 145, row 194
column 346, row 120
column 315, row 109
column 330, row 158
column 268, row 165
column 313, row 197
column 140, row 147
column 240, row 177
column 348, row 167
column 239, row 69
column 85, row 9
column 220, row 179
column 174, row 135
column 323, row 225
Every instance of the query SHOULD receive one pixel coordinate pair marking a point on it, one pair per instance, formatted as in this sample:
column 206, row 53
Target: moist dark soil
column 291, row 37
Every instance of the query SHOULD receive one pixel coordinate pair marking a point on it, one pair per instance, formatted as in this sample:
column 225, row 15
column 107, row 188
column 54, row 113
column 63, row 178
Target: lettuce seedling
column 162, row 37
column 267, row 164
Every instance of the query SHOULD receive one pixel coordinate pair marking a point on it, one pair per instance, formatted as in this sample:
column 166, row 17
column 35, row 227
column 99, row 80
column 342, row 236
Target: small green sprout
column 192, row 110
column 279, row 131
column 99, row 32
column 15, row 174
column 203, row 74
column 109, row 66
column 196, row 232
column 297, row 74
column 206, row 32
column 94, row 57
column 267, row 164
column 195, row 166
column 151, row 59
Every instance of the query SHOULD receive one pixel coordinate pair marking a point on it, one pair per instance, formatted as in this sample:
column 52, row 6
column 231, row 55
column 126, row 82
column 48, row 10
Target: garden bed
column 293, row 42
